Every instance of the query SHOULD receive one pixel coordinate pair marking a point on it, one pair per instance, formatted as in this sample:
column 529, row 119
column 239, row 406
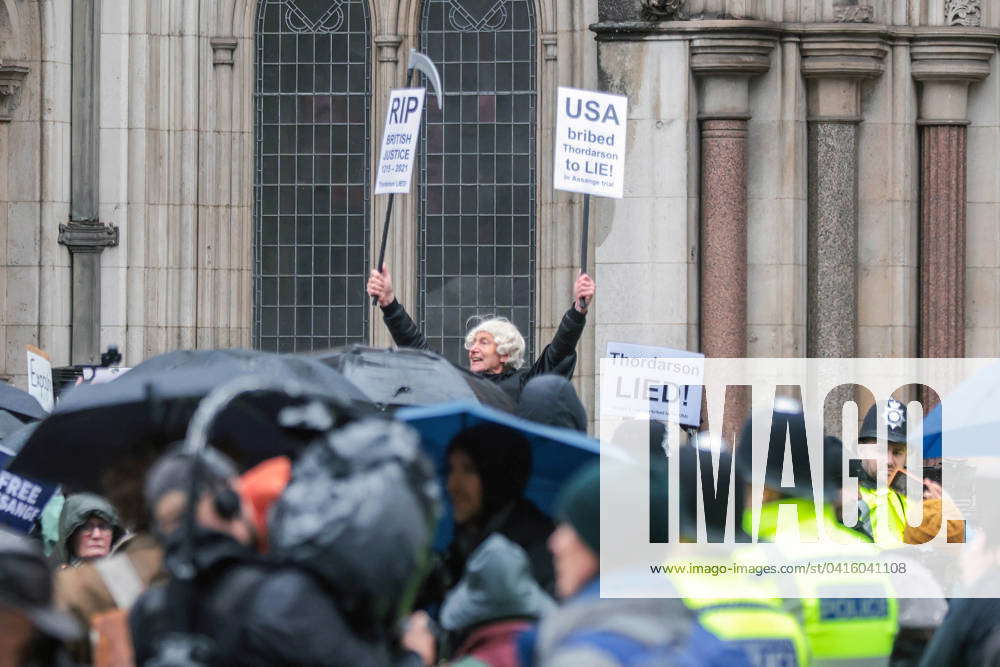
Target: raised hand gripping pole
column 583, row 242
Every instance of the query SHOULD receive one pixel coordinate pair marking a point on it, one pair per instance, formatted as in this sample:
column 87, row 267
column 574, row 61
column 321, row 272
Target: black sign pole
column 583, row 241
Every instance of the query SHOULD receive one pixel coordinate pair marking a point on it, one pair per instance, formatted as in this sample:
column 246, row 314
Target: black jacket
column 523, row 524
column 257, row 613
column 558, row 357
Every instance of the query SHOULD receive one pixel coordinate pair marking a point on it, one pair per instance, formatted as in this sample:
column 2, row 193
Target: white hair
column 509, row 340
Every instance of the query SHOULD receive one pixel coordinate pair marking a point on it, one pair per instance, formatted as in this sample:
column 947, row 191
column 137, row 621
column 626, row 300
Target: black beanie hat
column 579, row 505
column 501, row 456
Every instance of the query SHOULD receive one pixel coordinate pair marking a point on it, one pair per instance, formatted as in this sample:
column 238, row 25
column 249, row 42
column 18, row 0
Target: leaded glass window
column 312, row 151
column 477, row 170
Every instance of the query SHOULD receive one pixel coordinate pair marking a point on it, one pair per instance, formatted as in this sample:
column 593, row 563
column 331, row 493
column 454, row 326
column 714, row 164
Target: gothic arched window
column 477, row 169
column 312, row 151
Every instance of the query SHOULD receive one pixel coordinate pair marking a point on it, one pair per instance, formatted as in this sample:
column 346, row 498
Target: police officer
column 888, row 531
column 846, row 608
column 732, row 606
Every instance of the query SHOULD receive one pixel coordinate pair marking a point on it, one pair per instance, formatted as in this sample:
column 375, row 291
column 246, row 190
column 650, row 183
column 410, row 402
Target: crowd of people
column 327, row 559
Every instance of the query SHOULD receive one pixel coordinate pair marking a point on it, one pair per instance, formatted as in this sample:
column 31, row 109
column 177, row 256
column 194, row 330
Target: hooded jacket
column 502, row 457
column 76, row 511
column 551, row 400
column 558, row 357
column 494, row 602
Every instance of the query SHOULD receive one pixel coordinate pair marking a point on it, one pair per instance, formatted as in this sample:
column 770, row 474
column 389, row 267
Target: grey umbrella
column 405, row 377
column 95, row 425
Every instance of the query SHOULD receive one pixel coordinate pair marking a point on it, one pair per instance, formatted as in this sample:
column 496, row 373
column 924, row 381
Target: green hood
column 76, row 510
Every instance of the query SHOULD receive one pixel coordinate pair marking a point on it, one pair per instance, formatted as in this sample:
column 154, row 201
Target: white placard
column 590, row 142
column 40, row 377
column 399, row 142
column 683, row 372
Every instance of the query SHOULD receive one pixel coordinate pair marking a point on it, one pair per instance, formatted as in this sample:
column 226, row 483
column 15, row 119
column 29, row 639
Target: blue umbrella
column 556, row 452
column 973, row 426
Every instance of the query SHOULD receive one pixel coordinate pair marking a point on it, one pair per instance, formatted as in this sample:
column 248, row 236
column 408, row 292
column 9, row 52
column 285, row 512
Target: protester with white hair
column 495, row 346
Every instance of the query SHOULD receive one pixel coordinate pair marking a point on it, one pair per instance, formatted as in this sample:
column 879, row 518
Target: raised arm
column 403, row 329
column 559, row 356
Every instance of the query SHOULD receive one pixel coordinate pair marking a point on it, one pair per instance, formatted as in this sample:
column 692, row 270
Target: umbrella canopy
column 13, row 442
column 969, row 421
column 95, row 425
column 407, row 377
column 20, row 403
column 556, row 452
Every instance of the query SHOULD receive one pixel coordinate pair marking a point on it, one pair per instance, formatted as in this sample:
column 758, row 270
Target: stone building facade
column 804, row 177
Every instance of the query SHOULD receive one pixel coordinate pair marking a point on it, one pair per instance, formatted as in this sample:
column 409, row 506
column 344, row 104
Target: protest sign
column 21, row 500
column 590, row 142
column 675, row 375
column 399, row 141
column 40, row 377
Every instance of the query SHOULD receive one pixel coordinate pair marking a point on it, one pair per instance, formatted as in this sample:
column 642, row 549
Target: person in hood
column 488, row 470
column 496, row 600
column 495, row 346
column 551, row 400
column 88, row 528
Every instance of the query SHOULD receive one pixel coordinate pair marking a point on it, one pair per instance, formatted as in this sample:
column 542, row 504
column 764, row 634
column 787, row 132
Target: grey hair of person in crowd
column 508, row 339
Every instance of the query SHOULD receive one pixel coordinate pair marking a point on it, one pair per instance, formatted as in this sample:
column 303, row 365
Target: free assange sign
column 590, row 143
column 399, row 141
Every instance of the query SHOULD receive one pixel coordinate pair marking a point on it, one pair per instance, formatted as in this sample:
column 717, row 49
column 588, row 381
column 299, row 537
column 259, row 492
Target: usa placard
column 590, row 143
column 399, row 142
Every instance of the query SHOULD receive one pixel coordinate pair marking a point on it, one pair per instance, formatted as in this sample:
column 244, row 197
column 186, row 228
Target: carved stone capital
column 946, row 63
column 87, row 236
column 738, row 55
column 11, row 79
column 951, row 57
column 223, row 50
column 388, row 48
column 725, row 63
column 841, row 54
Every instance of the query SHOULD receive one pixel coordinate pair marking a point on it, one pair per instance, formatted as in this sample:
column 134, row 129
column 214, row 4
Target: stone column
column 724, row 64
column 401, row 251
column 85, row 236
column 834, row 65
column 944, row 64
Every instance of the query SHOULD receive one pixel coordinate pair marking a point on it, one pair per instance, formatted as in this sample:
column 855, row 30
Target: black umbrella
column 20, row 403
column 404, row 377
column 95, row 425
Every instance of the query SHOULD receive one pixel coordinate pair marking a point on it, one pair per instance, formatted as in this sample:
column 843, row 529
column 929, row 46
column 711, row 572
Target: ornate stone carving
column 663, row 10
column 11, row 78
column 963, row 12
column 853, row 13
column 87, row 236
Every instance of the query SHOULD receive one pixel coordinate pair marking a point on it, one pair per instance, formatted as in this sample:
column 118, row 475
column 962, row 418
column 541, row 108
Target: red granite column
column 942, row 240
column 725, row 64
column 944, row 65
column 723, row 238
